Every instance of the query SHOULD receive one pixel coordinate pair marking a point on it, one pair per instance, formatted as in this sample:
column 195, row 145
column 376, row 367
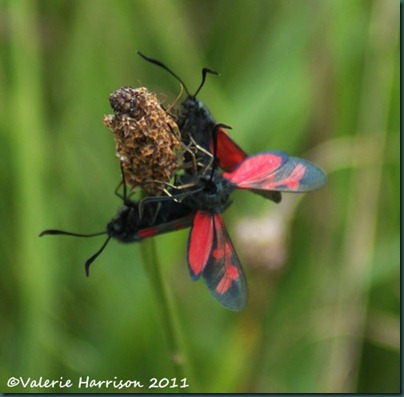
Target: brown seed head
column 146, row 136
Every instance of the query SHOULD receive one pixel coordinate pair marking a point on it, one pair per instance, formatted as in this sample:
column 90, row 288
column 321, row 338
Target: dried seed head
column 146, row 136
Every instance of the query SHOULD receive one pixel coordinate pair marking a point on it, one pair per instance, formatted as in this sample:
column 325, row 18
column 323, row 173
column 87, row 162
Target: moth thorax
column 125, row 225
column 215, row 194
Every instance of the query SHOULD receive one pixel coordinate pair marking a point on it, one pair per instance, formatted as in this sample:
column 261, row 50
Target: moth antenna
column 55, row 232
column 205, row 71
column 92, row 259
column 158, row 63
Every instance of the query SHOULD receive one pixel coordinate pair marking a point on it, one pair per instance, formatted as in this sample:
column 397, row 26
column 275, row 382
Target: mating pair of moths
column 212, row 165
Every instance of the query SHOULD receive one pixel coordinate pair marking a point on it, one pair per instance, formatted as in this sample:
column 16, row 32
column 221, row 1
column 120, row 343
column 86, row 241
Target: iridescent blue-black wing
column 211, row 254
column 276, row 171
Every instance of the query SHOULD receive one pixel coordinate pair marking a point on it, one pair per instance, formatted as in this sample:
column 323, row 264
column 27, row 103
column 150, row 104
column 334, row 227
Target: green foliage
column 317, row 79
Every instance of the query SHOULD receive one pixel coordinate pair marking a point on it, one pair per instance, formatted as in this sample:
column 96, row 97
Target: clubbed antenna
column 55, row 232
column 205, row 71
column 90, row 260
column 161, row 64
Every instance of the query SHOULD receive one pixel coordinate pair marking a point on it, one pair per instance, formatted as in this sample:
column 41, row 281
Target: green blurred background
column 318, row 79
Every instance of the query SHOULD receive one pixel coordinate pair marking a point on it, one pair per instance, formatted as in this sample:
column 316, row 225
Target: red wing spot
column 147, row 232
column 292, row 182
column 216, row 253
column 296, row 175
column 231, row 272
column 225, row 283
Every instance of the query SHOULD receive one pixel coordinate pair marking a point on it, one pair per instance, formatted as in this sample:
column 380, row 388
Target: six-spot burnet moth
column 211, row 253
column 196, row 123
column 132, row 223
column 210, row 250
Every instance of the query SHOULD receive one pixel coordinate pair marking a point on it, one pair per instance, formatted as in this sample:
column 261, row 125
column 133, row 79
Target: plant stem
column 350, row 316
column 165, row 305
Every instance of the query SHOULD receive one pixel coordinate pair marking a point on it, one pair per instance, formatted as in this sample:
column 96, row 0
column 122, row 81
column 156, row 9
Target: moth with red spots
column 198, row 126
column 200, row 195
column 132, row 225
column 211, row 253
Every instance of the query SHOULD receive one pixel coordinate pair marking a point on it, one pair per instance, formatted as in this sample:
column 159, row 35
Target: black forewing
column 223, row 274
